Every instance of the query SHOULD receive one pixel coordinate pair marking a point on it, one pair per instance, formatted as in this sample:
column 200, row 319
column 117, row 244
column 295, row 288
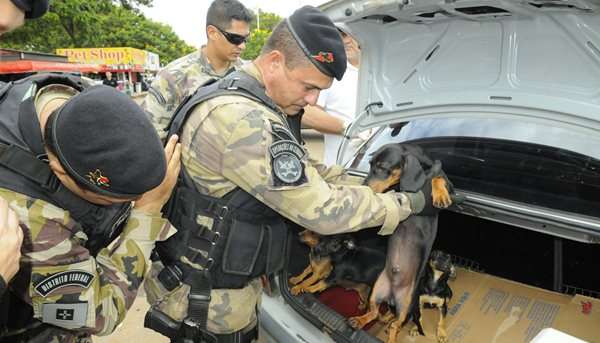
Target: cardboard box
column 485, row 308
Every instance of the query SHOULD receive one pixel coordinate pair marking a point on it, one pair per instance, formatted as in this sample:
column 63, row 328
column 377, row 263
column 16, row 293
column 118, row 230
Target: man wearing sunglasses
column 227, row 28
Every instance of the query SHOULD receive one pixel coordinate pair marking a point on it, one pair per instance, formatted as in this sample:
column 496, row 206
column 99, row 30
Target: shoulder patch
column 286, row 161
column 70, row 316
column 53, row 282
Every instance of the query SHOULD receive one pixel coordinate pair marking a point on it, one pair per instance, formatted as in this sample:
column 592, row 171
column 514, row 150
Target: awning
column 25, row 66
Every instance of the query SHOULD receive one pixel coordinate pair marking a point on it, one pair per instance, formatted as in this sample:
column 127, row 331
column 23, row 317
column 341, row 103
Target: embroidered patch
column 69, row 316
column 288, row 168
column 97, row 179
column 77, row 278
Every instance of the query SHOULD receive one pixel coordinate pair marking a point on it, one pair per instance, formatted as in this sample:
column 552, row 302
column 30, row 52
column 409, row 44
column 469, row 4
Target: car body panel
column 540, row 64
column 509, row 70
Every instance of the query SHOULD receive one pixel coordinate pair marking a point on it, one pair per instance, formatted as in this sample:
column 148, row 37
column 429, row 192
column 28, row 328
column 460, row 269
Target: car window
column 534, row 163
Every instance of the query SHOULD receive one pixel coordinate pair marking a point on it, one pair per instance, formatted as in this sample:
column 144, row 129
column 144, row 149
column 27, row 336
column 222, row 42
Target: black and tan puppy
column 404, row 167
column 433, row 291
column 356, row 262
column 317, row 270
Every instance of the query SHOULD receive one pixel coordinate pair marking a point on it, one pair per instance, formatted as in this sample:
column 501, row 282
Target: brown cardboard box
column 485, row 308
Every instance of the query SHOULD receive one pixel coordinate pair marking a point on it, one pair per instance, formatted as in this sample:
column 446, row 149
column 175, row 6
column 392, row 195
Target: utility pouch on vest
column 254, row 250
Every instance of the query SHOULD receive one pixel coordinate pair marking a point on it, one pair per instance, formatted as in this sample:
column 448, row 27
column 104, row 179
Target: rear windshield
column 506, row 160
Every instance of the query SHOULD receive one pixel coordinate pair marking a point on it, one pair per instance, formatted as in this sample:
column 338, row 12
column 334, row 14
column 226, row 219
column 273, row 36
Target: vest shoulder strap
column 236, row 83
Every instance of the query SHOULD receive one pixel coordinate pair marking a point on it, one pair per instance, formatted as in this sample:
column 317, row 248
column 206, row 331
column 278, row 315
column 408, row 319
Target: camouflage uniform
column 226, row 144
column 65, row 286
column 176, row 81
column 54, row 244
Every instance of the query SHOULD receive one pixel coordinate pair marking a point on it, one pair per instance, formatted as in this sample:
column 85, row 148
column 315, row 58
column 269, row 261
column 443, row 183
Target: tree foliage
column 267, row 21
column 255, row 42
column 98, row 23
column 258, row 36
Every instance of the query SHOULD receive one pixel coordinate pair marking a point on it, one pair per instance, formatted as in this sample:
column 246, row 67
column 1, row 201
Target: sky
column 187, row 17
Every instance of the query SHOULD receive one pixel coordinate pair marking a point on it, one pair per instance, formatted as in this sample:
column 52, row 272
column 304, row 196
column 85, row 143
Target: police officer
column 246, row 171
column 73, row 162
column 12, row 15
column 227, row 28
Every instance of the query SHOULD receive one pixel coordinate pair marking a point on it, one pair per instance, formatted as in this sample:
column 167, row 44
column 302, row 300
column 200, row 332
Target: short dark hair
column 222, row 12
column 282, row 39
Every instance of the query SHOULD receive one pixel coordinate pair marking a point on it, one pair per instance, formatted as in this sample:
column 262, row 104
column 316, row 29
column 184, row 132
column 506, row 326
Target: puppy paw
column 295, row 280
column 439, row 192
column 442, row 339
column 356, row 322
column 296, row 290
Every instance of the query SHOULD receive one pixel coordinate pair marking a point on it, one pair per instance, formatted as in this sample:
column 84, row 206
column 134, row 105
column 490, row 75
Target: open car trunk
column 503, row 273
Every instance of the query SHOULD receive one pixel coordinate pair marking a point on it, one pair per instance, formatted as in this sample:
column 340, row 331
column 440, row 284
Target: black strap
column 242, row 336
column 26, row 164
column 238, row 83
column 29, row 126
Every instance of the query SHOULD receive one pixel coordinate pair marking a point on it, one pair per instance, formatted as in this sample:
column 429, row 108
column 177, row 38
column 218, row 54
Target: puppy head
column 338, row 244
column 387, row 164
column 398, row 167
column 309, row 238
column 439, row 260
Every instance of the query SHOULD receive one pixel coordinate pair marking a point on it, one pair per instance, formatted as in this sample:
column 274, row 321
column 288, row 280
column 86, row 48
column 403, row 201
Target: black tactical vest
column 24, row 169
column 248, row 239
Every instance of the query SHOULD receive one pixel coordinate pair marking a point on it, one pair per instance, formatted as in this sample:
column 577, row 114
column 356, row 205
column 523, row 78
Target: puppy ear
column 377, row 152
column 419, row 154
column 413, row 177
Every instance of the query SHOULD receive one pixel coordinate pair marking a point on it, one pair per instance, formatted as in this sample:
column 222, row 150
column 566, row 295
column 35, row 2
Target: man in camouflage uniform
column 12, row 15
column 227, row 28
column 231, row 142
column 101, row 147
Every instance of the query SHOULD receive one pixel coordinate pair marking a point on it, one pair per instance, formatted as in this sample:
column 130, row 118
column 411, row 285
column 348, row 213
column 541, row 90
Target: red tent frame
column 28, row 66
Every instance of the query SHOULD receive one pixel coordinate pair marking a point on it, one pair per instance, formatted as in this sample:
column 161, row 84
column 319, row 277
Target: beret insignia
column 98, row 179
column 324, row 57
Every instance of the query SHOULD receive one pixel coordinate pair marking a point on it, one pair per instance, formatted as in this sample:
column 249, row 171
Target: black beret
column 319, row 39
column 32, row 8
column 105, row 142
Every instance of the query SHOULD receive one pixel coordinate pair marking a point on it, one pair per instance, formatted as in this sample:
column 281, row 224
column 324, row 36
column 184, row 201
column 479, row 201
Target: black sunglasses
column 233, row 38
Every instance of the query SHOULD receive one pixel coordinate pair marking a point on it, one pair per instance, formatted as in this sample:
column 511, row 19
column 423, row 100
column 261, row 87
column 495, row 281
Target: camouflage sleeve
column 68, row 287
column 162, row 100
column 313, row 202
column 336, row 174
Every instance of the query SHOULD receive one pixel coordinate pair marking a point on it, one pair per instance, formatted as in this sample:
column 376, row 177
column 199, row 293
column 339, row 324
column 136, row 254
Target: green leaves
column 258, row 37
column 255, row 43
column 98, row 23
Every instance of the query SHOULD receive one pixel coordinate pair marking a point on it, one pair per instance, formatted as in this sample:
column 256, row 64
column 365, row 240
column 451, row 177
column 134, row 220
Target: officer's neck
column 218, row 64
column 46, row 111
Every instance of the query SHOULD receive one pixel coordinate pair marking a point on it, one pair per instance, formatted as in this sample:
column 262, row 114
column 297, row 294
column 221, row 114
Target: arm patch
column 287, row 163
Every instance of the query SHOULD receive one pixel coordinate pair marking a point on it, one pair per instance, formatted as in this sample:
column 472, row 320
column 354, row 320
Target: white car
column 506, row 93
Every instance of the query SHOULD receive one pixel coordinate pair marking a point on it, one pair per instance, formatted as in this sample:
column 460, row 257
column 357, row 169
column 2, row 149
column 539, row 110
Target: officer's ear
column 276, row 61
column 55, row 166
column 211, row 32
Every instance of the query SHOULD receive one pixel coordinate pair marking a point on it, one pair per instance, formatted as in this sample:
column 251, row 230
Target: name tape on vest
column 78, row 278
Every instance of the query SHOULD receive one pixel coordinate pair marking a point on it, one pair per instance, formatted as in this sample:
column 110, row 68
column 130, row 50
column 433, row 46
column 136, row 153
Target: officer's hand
column 421, row 201
column 154, row 200
column 11, row 237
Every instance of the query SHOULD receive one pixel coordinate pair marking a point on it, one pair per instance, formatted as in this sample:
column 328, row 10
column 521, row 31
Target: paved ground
column 132, row 329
